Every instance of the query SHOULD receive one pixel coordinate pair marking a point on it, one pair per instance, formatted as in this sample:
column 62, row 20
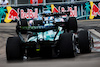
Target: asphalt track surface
column 82, row 60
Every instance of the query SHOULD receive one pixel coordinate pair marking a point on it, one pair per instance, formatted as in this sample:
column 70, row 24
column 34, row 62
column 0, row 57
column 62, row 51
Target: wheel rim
column 74, row 45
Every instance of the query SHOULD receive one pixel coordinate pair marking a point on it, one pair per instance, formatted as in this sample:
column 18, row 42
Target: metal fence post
column 9, row 2
column 81, row 9
column 78, row 10
column 16, row 2
column 44, row 2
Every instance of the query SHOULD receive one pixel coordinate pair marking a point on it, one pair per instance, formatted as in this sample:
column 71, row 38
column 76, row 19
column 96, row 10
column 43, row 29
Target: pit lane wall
column 80, row 10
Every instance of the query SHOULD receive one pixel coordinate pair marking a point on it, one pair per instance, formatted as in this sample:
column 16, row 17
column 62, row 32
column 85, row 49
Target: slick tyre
column 13, row 49
column 66, row 45
column 72, row 24
column 84, row 41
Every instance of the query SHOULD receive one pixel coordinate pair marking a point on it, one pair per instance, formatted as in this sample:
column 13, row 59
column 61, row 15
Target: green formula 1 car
column 48, row 39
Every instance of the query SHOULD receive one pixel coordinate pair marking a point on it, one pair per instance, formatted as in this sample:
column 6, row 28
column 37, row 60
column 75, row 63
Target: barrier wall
column 80, row 10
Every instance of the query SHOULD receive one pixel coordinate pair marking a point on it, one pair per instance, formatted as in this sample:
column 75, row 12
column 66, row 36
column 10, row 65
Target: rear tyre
column 85, row 41
column 67, row 45
column 13, row 49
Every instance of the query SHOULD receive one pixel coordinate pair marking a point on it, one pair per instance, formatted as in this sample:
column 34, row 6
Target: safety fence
column 80, row 10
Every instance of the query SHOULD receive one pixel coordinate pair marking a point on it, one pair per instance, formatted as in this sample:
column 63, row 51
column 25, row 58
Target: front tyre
column 85, row 41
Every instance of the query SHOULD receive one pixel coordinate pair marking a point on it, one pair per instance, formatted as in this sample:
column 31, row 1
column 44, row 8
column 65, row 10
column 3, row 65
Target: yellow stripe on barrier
column 7, row 15
column 91, row 16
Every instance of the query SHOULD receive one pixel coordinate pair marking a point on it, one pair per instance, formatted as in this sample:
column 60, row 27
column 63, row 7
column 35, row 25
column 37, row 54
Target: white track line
column 96, row 40
column 93, row 31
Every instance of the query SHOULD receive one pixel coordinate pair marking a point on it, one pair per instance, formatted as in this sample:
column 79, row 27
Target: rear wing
column 55, row 14
column 36, row 28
